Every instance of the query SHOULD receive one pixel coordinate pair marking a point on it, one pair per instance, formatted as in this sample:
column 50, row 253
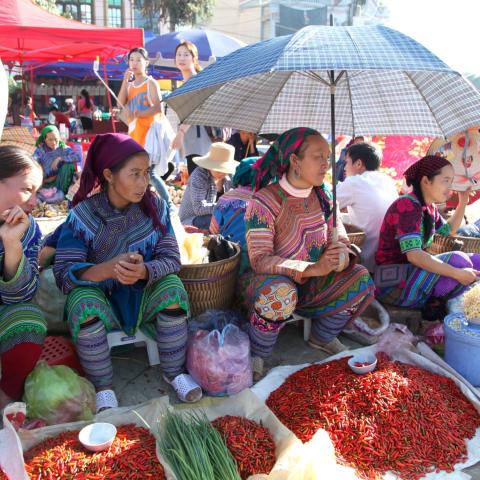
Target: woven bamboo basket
column 19, row 137
column 211, row 285
column 443, row 244
column 355, row 235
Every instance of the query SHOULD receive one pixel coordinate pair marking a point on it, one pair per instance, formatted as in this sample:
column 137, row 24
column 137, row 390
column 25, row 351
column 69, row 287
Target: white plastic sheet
column 278, row 375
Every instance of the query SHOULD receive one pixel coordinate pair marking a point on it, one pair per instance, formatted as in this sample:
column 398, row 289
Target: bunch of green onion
column 194, row 449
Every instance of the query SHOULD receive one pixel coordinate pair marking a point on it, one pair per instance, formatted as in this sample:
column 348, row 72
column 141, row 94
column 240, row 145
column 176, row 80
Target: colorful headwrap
column 106, row 151
column 244, row 173
column 271, row 166
column 43, row 135
column 424, row 167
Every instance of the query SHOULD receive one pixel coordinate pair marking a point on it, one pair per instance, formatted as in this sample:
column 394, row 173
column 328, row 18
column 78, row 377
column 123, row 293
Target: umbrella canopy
column 208, row 42
column 384, row 82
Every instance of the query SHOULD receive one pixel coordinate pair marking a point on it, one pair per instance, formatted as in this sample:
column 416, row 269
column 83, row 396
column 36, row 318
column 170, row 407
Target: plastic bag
column 396, row 338
column 435, row 337
column 216, row 320
column 219, row 360
column 58, row 395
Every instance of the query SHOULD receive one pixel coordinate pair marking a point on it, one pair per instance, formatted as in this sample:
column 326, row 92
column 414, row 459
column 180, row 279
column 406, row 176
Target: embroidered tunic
column 96, row 232
column 402, row 230
column 286, row 234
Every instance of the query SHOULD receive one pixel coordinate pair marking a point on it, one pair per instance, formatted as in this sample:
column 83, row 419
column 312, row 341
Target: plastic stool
column 60, row 351
column 307, row 324
column 118, row 337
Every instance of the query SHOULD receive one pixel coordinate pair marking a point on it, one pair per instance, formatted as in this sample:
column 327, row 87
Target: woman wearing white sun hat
column 207, row 184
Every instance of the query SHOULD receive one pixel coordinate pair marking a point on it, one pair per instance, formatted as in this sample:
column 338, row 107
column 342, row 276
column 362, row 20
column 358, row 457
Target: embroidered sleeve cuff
column 294, row 269
column 409, row 243
column 75, row 281
column 19, row 277
column 444, row 230
column 158, row 270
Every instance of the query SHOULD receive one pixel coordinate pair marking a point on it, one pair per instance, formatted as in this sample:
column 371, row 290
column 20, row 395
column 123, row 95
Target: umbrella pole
column 109, row 98
column 332, row 153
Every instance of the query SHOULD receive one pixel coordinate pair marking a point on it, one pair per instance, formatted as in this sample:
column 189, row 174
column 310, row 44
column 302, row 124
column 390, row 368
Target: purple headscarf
column 106, row 151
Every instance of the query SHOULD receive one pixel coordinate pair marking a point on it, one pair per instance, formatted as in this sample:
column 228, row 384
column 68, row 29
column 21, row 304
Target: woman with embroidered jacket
column 294, row 259
column 22, row 324
column 407, row 275
column 116, row 260
column 57, row 160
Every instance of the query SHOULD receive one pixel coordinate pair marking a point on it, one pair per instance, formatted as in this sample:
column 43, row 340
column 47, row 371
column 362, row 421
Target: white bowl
column 97, row 436
column 369, row 359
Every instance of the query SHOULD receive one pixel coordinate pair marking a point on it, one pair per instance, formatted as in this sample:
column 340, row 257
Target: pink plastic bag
column 219, row 361
column 396, row 338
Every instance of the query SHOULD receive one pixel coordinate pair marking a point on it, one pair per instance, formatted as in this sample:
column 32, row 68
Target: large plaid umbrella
column 364, row 80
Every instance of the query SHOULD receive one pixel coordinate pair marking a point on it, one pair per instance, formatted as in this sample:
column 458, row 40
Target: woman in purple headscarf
column 406, row 274
column 116, row 259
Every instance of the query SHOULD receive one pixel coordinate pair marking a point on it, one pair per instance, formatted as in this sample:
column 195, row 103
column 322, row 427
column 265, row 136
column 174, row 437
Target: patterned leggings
column 330, row 301
column 167, row 326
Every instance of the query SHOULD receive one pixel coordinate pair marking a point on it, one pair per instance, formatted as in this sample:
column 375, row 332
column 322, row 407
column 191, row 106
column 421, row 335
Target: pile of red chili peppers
column 132, row 455
column 250, row 444
column 399, row 418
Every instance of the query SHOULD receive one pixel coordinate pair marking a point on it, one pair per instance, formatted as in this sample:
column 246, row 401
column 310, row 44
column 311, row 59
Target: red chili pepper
column 399, row 418
column 250, row 444
column 132, row 455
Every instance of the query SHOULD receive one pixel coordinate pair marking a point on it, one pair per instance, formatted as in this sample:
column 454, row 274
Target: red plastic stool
column 60, row 351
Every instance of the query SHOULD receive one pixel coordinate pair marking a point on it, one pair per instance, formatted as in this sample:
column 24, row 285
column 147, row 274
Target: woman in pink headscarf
column 407, row 275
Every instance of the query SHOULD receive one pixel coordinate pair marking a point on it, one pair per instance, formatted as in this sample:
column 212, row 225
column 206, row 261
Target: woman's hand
column 131, row 269
column 56, row 163
column 466, row 276
column 127, row 76
column 463, row 197
column 330, row 259
column 16, row 223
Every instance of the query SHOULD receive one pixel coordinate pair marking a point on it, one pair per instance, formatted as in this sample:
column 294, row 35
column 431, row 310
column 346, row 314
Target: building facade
column 255, row 20
column 107, row 13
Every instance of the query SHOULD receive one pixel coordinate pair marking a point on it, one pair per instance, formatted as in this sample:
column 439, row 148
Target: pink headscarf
column 424, row 167
column 106, row 151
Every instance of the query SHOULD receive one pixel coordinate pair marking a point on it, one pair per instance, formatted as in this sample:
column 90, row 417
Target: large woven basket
column 211, row 285
column 443, row 244
column 355, row 235
column 19, row 137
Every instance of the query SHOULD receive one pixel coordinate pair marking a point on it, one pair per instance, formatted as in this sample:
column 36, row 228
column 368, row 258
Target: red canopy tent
column 27, row 32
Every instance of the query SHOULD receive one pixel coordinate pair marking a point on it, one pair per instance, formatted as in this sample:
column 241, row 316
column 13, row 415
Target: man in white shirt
column 367, row 194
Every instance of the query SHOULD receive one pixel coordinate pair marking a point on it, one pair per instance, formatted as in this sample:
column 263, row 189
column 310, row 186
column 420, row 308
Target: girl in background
column 193, row 140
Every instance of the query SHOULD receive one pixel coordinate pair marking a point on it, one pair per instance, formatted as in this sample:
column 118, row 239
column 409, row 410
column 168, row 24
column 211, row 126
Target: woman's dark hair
column 139, row 50
column 428, row 220
column 366, row 153
column 14, row 161
column 86, row 95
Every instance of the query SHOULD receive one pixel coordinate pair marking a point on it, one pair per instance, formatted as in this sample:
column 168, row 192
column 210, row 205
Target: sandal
column 333, row 347
column 185, row 387
column 106, row 399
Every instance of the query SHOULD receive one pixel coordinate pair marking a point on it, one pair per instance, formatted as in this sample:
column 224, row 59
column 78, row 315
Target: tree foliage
column 177, row 12
column 49, row 5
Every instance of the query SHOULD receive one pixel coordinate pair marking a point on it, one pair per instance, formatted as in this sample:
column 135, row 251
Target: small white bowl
column 97, row 436
column 369, row 359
